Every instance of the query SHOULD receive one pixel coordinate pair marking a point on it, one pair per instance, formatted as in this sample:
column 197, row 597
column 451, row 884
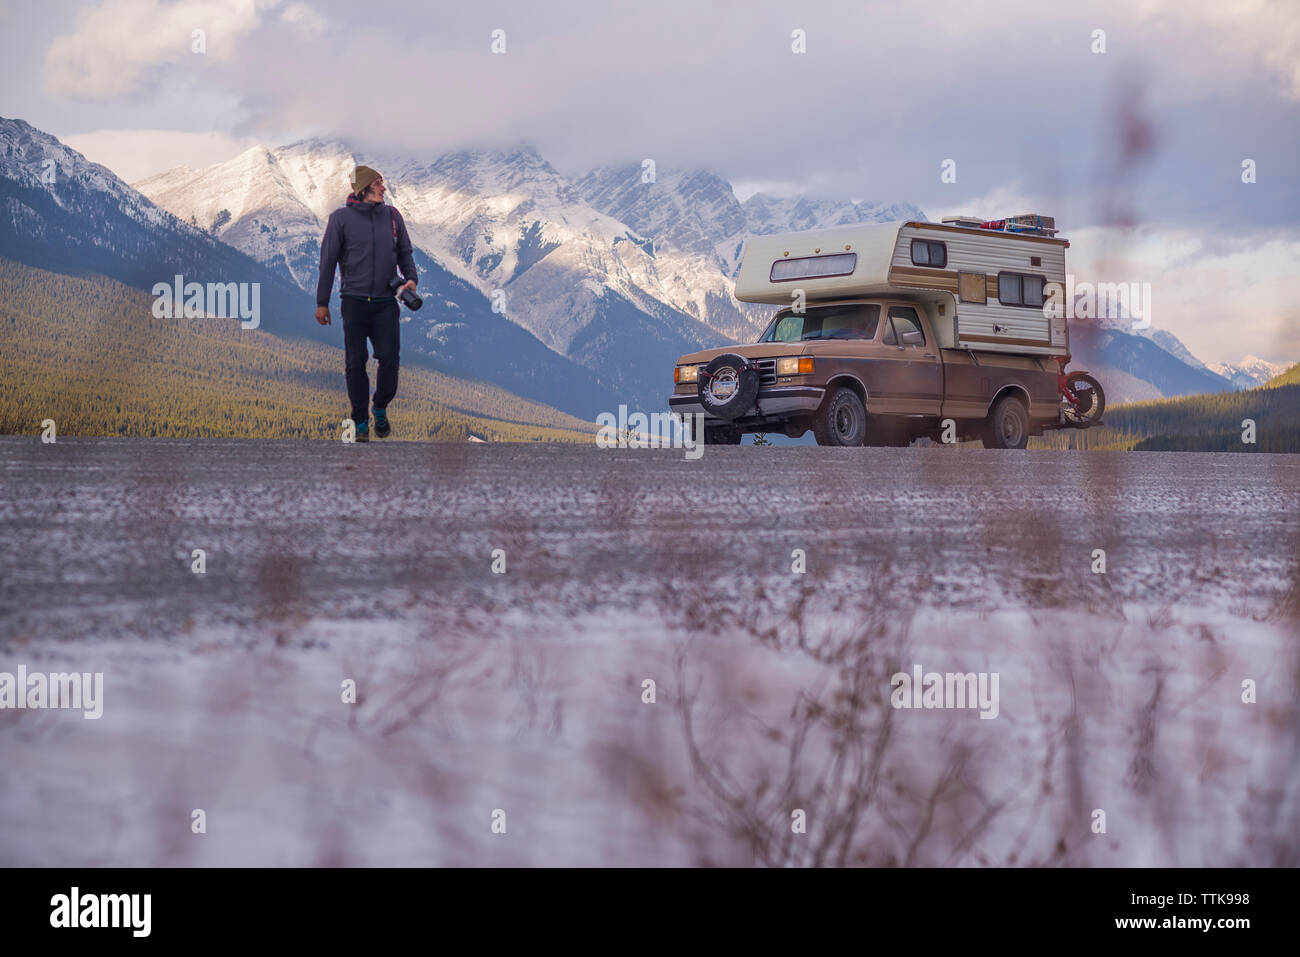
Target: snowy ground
column 523, row 692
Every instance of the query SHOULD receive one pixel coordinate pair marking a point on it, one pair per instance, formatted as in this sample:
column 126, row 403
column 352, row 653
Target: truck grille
column 766, row 372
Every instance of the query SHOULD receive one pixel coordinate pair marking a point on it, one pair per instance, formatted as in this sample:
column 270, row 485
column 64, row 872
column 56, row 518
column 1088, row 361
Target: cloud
column 1009, row 89
column 307, row 20
column 999, row 202
column 1252, row 40
column 1223, row 297
column 118, row 48
column 717, row 86
column 138, row 154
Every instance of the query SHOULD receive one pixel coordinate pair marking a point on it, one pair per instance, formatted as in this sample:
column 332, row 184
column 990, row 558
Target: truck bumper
column 774, row 402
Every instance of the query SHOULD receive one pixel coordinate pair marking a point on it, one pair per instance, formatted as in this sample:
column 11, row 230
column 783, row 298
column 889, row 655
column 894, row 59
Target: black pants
column 376, row 320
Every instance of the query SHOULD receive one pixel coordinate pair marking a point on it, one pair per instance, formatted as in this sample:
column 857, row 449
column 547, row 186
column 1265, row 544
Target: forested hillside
column 1290, row 377
column 89, row 354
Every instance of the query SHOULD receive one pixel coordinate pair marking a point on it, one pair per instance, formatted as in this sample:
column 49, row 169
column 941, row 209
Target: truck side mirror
column 913, row 338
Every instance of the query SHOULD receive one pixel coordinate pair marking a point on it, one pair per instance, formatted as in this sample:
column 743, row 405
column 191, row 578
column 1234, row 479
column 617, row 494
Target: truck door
column 917, row 375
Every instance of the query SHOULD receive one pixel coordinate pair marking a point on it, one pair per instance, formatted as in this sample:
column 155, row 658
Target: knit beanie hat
column 362, row 177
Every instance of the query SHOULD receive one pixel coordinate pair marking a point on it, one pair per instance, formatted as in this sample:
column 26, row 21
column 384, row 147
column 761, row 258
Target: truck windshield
column 853, row 321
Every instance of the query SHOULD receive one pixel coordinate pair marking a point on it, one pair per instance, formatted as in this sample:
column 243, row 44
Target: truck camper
column 893, row 331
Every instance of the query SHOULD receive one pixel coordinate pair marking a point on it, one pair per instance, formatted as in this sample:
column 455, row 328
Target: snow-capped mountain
column 65, row 214
column 696, row 211
column 504, row 224
column 269, row 203
column 1134, row 368
column 1136, row 364
column 1122, row 322
column 1250, row 371
column 1131, row 370
column 508, row 221
column 39, row 168
column 770, row 214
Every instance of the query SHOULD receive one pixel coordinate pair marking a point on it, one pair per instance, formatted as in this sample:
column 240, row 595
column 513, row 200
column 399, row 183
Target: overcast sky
column 1137, row 150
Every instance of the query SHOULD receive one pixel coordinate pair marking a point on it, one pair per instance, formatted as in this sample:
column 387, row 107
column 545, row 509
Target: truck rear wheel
column 1007, row 426
column 842, row 419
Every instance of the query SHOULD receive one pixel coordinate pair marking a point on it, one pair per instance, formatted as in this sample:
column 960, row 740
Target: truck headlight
column 686, row 374
column 794, row 365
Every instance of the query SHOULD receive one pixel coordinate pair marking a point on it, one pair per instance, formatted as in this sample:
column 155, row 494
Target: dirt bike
column 1083, row 401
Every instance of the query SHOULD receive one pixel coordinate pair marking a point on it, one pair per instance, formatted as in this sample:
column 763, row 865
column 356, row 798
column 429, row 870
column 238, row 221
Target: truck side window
column 789, row 329
column 902, row 320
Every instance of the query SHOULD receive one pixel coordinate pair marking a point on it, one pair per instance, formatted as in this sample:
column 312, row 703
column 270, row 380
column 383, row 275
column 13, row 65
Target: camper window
column 928, row 253
column 814, row 267
column 1015, row 289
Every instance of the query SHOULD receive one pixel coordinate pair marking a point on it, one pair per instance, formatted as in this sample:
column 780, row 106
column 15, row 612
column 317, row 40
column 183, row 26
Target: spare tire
column 728, row 386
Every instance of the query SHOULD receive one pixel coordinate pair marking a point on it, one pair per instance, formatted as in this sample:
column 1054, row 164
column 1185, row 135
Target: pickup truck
column 867, row 371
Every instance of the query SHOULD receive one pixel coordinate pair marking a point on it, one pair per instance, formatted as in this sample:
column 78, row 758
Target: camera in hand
column 408, row 296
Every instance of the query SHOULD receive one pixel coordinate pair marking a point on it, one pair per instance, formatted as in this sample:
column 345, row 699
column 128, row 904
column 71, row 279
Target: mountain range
column 1249, row 372
column 66, row 214
column 617, row 274
column 579, row 292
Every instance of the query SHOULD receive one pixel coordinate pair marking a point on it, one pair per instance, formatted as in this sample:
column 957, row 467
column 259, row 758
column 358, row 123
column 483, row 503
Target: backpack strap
column 392, row 219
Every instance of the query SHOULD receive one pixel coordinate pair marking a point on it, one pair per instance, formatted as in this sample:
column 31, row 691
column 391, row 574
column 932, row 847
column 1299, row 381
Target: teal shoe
column 382, row 428
column 363, row 431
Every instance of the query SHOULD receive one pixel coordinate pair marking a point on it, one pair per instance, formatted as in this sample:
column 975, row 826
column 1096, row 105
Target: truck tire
column 1007, row 426
column 728, row 386
column 721, row 435
column 842, row 419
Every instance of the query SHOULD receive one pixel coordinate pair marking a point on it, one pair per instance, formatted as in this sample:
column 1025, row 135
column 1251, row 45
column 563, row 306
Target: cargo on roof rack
column 1024, row 223
column 984, row 286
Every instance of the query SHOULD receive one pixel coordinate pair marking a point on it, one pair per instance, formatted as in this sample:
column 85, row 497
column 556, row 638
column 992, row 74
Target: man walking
column 366, row 239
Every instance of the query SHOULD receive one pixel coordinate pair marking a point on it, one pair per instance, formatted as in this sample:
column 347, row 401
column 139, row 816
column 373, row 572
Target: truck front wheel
column 842, row 419
column 1007, row 426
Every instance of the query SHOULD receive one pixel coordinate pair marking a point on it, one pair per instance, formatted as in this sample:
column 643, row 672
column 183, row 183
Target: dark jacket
column 359, row 240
